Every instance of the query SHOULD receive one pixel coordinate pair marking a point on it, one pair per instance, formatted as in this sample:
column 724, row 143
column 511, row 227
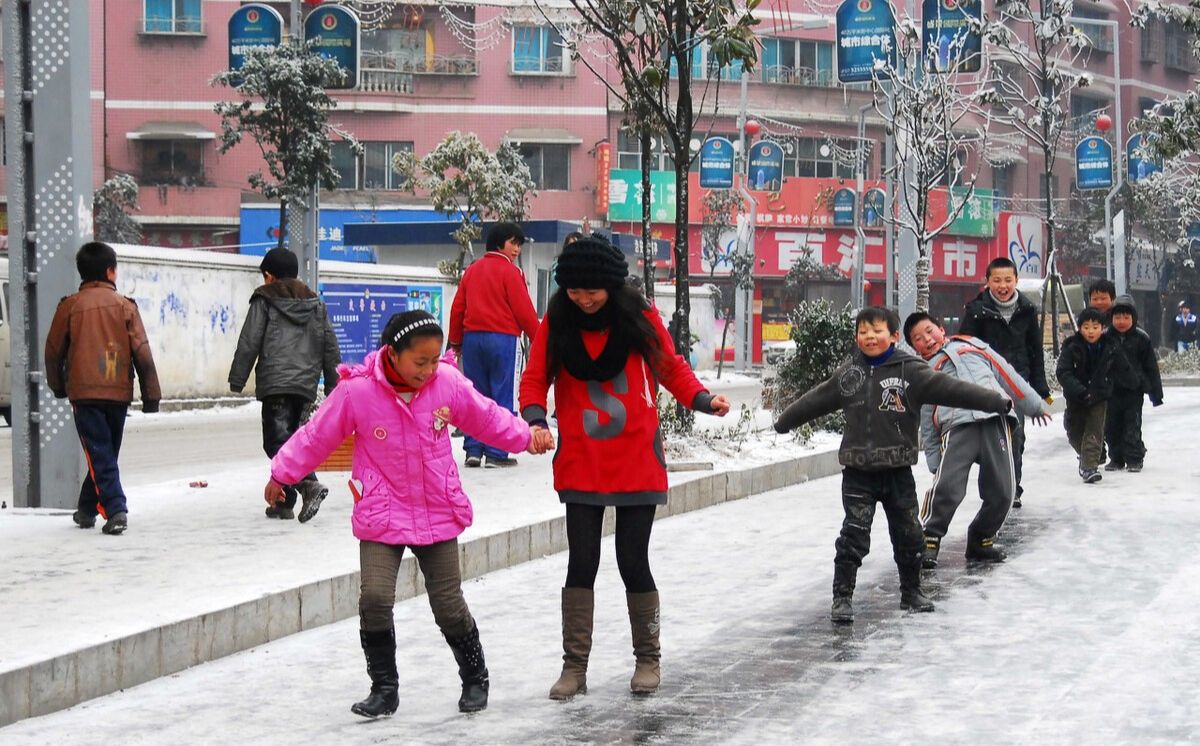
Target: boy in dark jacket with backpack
column 287, row 331
column 1088, row 367
column 1123, row 421
column 881, row 390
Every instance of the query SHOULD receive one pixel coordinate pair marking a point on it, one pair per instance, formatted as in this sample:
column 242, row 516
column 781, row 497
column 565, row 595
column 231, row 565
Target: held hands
column 273, row 492
column 720, row 405
column 541, row 440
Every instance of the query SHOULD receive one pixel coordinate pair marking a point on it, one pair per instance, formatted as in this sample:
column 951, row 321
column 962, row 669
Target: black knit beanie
column 282, row 263
column 591, row 263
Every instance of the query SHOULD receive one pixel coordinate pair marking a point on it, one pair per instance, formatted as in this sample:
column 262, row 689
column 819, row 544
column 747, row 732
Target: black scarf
column 612, row 359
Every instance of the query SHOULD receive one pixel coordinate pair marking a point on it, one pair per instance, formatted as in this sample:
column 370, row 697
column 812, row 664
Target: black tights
column 584, row 525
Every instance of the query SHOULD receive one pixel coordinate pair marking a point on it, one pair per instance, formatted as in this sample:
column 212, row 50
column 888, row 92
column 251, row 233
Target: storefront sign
column 766, row 167
column 874, row 206
column 253, row 26
column 866, row 35
column 1141, row 164
column 603, row 165
column 844, row 201
column 1022, row 240
column 625, row 196
column 977, row 217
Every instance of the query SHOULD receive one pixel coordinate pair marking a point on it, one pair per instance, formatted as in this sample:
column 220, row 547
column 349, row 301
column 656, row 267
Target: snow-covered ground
column 1088, row 634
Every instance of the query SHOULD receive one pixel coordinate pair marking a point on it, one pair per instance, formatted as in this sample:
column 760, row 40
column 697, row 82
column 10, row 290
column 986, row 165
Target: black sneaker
column 1114, row 466
column 842, row 611
column 83, row 520
column 312, row 494
column 984, row 550
column 473, row 461
column 1134, row 467
column 281, row 512
column 929, row 556
column 116, row 524
column 915, row 601
column 1089, row 476
column 499, row 463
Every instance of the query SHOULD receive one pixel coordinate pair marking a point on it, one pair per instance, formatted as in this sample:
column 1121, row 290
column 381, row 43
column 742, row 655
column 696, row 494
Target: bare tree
column 652, row 45
column 722, row 214
column 1040, row 68
column 112, row 204
column 941, row 122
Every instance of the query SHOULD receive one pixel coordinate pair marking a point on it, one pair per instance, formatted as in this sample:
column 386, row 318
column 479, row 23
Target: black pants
column 280, row 418
column 897, row 492
column 584, row 526
column 101, row 425
column 1018, row 449
column 1123, row 427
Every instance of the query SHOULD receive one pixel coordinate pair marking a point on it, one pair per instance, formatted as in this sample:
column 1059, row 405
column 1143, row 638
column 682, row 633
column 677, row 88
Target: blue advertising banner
column 766, row 167
column 359, row 312
column 260, row 229
column 844, row 201
column 716, row 163
column 1140, row 165
column 866, row 32
column 948, row 41
column 1093, row 164
column 334, row 32
column 253, row 27
column 874, row 202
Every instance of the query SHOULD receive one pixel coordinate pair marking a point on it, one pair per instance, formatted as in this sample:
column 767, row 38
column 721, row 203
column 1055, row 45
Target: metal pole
column 889, row 238
column 307, row 243
column 1116, row 264
column 742, row 313
column 857, row 282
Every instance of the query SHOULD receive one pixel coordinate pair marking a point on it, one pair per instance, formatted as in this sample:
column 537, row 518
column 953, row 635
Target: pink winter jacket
column 411, row 493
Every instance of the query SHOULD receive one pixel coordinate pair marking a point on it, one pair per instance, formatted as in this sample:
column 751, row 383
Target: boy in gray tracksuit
column 954, row 439
column 881, row 390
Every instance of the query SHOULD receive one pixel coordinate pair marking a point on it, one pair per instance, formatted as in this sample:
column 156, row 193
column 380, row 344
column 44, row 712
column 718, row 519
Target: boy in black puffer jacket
column 1123, row 421
column 1088, row 367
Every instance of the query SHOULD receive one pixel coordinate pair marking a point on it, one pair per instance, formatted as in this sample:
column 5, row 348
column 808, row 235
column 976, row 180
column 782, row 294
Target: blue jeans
column 101, row 426
column 489, row 360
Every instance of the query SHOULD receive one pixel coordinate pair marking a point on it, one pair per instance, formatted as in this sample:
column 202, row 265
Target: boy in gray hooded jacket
column 288, row 340
column 881, row 390
column 955, row 439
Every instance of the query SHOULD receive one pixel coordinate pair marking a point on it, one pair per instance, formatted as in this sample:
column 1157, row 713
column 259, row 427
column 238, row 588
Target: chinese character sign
column 866, row 36
column 844, row 201
column 766, row 167
column 360, row 312
column 625, row 196
column 253, row 27
column 1093, row 163
column 950, row 35
column 716, row 163
column 334, row 32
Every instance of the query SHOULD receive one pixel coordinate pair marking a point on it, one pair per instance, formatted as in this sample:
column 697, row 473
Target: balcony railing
column 435, row 65
column 183, row 26
column 784, row 75
column 377, row 80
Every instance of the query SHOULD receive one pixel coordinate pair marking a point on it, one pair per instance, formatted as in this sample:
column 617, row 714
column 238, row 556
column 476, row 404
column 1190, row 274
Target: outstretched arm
column 820, row 401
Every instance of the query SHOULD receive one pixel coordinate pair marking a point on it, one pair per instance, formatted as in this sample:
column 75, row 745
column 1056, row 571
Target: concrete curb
column 67, row 680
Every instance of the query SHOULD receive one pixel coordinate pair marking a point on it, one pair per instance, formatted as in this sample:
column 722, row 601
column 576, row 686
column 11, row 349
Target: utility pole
column 47, row 102
column 304, row 219
column 743, row 298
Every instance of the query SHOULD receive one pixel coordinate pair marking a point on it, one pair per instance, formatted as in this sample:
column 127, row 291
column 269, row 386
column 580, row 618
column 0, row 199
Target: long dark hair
column 623, row 315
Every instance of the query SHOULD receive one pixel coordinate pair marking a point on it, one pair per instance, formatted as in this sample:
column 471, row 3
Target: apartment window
column 1083, row 106
column 538, row 49
column 371, row 170
column 549, row 165
column 696, row 54
column 172, row 17
column 1002, row 180
column 172, row 162
column 1178, row 48
column 1145, row 104
column 732, row 71
column 814, row 156
column 1149, row 37
column 797, row 62
column 1099, row 35
column 629, row 152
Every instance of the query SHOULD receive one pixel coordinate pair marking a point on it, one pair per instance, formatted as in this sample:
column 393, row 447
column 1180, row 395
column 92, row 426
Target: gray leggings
column 380, row 564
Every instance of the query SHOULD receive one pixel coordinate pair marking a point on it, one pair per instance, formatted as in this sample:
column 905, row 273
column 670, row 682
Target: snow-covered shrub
column 823, row 336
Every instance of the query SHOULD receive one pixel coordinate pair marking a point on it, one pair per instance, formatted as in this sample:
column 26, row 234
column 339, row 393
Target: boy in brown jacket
column 95, row 344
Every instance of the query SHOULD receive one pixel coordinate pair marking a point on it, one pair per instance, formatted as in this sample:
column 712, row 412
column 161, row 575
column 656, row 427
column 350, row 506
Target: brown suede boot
column 643, row 621
column 577, row 607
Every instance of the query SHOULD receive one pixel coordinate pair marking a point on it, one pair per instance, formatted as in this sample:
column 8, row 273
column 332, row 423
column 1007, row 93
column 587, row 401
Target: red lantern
column 752, row 128
column 866, row 286
column 1104, row 122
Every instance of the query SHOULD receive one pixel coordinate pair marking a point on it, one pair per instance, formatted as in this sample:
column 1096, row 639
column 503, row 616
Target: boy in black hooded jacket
column 1087, row 369
column 1123, row 420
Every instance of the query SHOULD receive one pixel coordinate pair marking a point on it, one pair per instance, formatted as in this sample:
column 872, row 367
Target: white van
column 5, row 347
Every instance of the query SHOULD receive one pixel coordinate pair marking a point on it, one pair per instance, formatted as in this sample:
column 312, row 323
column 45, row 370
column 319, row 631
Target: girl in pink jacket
column 398, row 404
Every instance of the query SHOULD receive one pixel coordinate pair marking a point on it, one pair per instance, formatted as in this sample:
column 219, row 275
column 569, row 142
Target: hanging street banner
column 625, row 196
column 1093, row 163
column 766, row 166
column 844, row 201
column 866, row 32
column 950, row 39
column 253, row 27
column 873, row 208
column 716, row 163
column 334, row 33
column 1140, row 165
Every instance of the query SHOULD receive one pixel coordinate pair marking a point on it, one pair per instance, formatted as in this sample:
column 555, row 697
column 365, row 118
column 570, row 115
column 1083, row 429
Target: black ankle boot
column 911, row 597
column 380, row 648
column 844, row 577
column 472, row 670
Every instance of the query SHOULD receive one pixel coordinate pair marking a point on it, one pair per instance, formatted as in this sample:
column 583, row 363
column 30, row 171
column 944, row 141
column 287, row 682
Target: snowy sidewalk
column 202, row 574
column 1086, row 635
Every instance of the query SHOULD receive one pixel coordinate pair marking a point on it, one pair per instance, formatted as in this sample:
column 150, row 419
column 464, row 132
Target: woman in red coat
column 605, row 350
